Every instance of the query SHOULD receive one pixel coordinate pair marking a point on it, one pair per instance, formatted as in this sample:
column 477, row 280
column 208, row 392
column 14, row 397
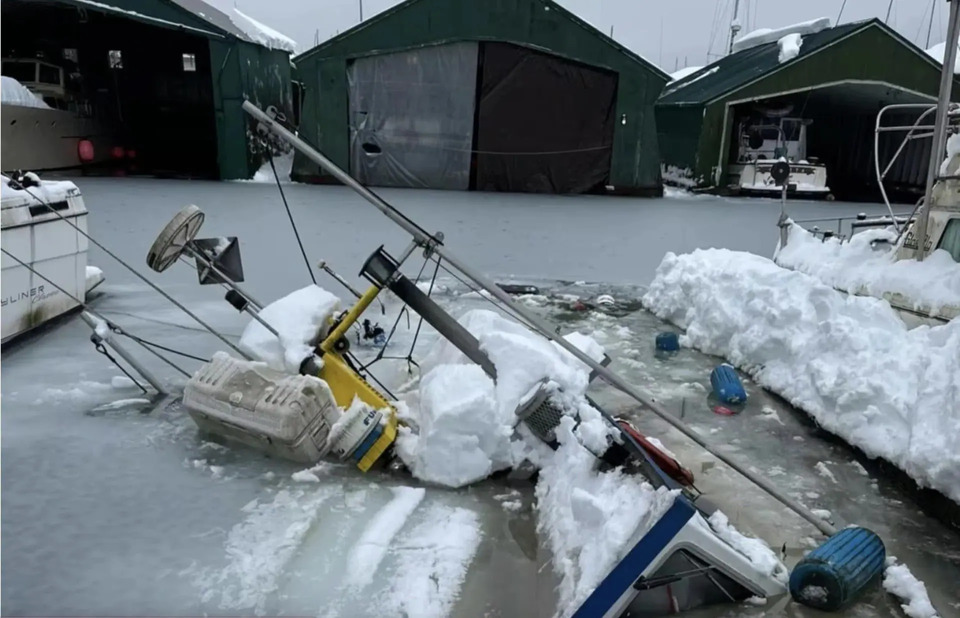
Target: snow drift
column 848, row 361
column 762, row 36
column 13, row 92
column 856, row 267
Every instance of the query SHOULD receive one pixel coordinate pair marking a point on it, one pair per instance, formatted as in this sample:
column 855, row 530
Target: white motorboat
column 35, row 230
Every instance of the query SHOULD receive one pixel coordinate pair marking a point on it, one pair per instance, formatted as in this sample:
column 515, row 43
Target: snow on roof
column 678, row 75
column 263, row 34
column 938, row 51
column 674, row 86
column 13, row 92
column 762, row 36
column 789, row 47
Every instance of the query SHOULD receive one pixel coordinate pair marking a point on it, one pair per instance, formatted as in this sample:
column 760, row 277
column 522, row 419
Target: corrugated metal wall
column 533, row 23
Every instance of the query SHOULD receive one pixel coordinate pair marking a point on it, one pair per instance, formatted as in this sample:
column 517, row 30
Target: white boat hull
column 806, row 179
column 50, row 246
column 39, row 139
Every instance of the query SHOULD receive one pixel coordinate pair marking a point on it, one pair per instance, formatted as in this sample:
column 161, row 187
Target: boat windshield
column 950, row 241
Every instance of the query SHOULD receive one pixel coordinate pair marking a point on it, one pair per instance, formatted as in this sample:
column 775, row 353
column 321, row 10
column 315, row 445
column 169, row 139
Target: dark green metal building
column 167, row 77
column 515, row 95
column 840, row 80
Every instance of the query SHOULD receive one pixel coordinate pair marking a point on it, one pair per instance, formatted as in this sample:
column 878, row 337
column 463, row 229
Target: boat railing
column 922, row 128
column 854, row 223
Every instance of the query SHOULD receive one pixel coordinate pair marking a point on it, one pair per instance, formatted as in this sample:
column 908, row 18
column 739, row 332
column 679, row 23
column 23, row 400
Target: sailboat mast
column 940, row 127
column 734, row 25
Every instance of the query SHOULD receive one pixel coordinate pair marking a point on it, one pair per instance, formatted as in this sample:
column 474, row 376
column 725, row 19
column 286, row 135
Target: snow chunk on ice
column 856, row 267
column 13, row 92
column 432, row 562
column 299, row 318
column 762, row 36
column 261, row 33
column 460, row 440
column 939, row 51
column 756, row 550
column 900, row 582
column 824, row 471
column 848, row 361
column 367, row 554
column 283, row 164
column 789, row 47
column 589, row 518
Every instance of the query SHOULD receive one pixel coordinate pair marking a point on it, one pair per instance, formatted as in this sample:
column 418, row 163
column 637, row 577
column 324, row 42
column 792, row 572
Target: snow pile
column 846, row 360
column 900, row 582
column 789, row 47
column 762, row 36
column 939, row 51
column 465, row 421
column 261, row 33
column 283, row 164
column 47, row 192
column 685, row 71
column 588, row 518
column 674, row 86
column 854, row 266
column 299, row 317
column 13, row 92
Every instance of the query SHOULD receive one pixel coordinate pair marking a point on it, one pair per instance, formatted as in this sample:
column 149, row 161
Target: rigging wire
column 113, row 327
column 286, row 206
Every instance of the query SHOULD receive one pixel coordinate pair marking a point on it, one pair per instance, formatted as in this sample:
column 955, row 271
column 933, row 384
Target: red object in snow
column 673, row 468
column 85, row 150
column 723, row 411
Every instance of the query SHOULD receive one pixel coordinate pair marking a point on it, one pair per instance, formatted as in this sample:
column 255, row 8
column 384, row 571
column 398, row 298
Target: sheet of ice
column 900, row 582
column 261, row 33
column 789, row 47
column 368, row 552
column 848, row 361
column 939, row 51
column 259, row 548
column 432, row 563
column 298, row 317
column 855, row 267
column 588, row 518
column 13, row 92
column 762, row 36
column 678, row 75
column 756, row 550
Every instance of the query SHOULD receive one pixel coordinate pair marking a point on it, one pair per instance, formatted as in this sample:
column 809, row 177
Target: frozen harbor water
column 107, row 510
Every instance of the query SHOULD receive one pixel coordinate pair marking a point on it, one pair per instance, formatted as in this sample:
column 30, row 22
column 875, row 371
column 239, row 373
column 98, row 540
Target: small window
column 189, row 62
column 70, row 53
column 49, row 74
column 115, row 58
column 950, row 241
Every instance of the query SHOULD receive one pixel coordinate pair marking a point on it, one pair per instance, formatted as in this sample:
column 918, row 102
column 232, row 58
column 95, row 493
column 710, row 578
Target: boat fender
column 835, row 574
column 726, row 384
column 668, row 342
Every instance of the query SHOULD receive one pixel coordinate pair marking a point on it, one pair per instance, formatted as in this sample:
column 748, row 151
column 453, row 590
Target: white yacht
column 761, row 144
column 47, row 244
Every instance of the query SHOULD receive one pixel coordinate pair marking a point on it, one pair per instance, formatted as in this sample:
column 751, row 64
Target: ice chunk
column 299, row 318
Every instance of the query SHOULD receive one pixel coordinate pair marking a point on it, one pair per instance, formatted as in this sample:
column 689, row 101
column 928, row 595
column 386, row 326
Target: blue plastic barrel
column 668, row 342
column 835, row 574
column 726, row 385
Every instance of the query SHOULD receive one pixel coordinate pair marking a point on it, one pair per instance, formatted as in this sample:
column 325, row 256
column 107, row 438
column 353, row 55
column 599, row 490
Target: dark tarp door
column 544, row 124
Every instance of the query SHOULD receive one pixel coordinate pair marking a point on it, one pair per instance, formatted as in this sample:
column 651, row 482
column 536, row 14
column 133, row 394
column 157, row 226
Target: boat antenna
column 734, row 25
column 940, row 125
column 843, row 5
column 157, row 288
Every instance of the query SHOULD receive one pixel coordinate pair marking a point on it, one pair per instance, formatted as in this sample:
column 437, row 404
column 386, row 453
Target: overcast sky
column 670, row 33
